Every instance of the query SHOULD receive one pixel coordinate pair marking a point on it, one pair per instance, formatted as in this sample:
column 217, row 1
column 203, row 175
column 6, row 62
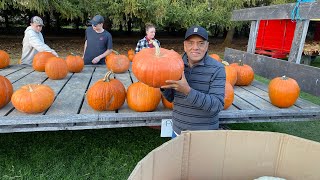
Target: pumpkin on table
column 231, row 73
column 4, row 59
column 245, row 73
column 33, row 98
column 216, row 57
column 56, row 68
column 6, row 91
column 143, row 98
column 166, row 103
column 75, row 63
column 283, row 91
column 106, row 94
column 229, row 95
column 40, row 60
column 117, row 63
column 153, row 66
column 131, row 54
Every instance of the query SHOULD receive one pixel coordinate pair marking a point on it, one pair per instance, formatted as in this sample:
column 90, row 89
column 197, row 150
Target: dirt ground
column 67, row 45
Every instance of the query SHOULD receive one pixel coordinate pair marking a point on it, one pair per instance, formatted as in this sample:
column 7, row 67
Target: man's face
column 97, row 27
column 36, row 27
column 195, row 48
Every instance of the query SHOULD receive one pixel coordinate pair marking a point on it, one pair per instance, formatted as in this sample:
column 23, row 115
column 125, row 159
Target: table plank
column 14, row 77
column 70, row 99
column 253, row 99
column 263, row 94
column 300, row 102
column 10, row 70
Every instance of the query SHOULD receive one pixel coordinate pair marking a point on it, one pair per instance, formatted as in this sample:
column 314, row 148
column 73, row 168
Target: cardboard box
column 229, row 154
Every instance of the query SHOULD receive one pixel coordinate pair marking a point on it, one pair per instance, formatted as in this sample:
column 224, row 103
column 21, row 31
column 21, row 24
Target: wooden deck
column 70, row 110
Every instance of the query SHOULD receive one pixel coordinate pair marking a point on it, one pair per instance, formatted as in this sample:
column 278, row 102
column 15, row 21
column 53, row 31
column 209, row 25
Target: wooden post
column 253, row 36
column 300, row 34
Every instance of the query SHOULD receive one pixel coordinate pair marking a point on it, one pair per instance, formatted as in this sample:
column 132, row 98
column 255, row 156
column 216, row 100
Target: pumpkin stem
column 116, row 52
column 30, row 88
column 225, row 63
column 157, row 47
column 284, row 77
column 240, row 63
column 107, row 76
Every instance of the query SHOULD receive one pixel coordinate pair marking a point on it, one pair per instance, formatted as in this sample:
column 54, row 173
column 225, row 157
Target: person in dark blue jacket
column 198, row 96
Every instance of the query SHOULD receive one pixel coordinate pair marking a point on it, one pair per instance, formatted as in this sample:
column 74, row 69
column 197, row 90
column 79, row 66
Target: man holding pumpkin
column 198, row 96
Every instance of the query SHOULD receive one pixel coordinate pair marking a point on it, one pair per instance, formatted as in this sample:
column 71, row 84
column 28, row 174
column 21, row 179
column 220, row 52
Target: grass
column 89, row 154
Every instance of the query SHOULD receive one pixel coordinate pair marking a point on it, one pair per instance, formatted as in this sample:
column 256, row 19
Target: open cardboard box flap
column 230, row 154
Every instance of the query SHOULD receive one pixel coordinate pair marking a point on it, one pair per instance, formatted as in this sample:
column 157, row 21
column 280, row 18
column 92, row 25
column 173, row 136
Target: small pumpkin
column 229, row 95
column 153, row 66
column 6, row 90
column 216, row 57
column 231, row 73
column 40, row 60
column 245, row 73
column 56, row 68
column 166, row 103
column 106, row 94
column 283, row 91
column 118, row 63
column 4, row 59
column 33, row 98
column 131, row 54
column 143, row 98
column 75, row 63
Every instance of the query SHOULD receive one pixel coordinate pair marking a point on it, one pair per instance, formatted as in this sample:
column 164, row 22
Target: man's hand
column 95, row 60
column 180, row 85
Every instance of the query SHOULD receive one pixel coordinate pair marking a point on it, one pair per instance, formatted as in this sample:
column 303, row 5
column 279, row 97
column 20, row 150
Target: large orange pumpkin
column 33, row 98
column 245, row 73
column 40, row 60
column 56, row 68
column 166, row 103
column 4, row 59
column 117, row 63
column 229, row 95
column 216, row 57
column 143, row 98
column 74, row 63
column 231, row 73
column 283, row 91
column 131, row 54
column 106, row 94
column 153, row 66
column 6, row 91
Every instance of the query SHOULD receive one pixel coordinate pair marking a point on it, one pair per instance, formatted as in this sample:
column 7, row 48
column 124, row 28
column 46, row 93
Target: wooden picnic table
column 70, row 110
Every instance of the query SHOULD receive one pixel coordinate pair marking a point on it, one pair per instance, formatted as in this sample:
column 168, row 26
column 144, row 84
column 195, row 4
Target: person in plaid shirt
column 145, row 42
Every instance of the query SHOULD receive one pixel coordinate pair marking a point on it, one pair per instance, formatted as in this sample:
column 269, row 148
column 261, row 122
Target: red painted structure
column 275, row 37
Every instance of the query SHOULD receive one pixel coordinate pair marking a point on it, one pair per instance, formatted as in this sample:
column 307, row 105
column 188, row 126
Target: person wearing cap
column 146, row 42
column 98, row 42
column 33, row 41
column 198, row 96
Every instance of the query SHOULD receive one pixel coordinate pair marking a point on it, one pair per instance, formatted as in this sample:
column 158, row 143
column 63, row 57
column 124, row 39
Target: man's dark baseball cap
column 196, row 30
column 98, row 19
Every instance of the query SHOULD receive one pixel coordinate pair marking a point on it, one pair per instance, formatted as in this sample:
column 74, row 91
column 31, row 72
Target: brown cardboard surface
column 227, row 154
